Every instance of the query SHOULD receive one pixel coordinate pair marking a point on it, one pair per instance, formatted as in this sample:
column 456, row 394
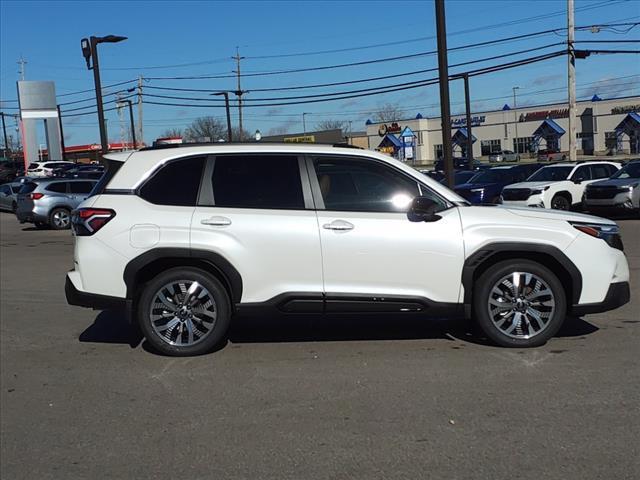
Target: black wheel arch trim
column 222, row 266
column 485, row 253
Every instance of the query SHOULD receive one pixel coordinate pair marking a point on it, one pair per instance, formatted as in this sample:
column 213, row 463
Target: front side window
column 581, row 174
column 359, row 185
column 257, row 181
column 550, row 174
column 176, row 183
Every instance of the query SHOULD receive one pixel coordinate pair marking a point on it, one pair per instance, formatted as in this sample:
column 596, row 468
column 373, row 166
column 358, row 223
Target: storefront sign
column 462, row 121
column 391, row 128
column 625, row 109
column 544, row 114
column 303, row 139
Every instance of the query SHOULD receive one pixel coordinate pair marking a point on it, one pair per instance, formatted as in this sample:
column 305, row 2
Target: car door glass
column 581, row 174
column 81, row 188
column 57, row 187
column 348, row 184
column 599, row 171
column 176, row 183
column 257, row 181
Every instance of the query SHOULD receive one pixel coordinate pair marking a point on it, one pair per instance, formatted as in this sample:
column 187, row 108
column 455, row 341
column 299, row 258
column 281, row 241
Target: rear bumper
column 91, row 300
column 617, row 295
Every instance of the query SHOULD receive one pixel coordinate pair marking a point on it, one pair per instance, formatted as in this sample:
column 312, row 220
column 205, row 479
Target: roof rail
column 163, row 146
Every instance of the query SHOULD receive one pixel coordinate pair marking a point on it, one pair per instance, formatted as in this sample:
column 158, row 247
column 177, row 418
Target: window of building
column 610, row 140
column 437, row 150
column 364, row 186
column 176, row 183
column 487, row 147
column 257, row 181
column 523, row 144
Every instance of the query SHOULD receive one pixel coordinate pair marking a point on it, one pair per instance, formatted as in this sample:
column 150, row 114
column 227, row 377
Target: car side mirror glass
column 577, row 180
column 423, row 209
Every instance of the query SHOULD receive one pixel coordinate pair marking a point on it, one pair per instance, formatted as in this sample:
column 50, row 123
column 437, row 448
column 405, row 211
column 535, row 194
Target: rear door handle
column 216, row 221
column 341, row 225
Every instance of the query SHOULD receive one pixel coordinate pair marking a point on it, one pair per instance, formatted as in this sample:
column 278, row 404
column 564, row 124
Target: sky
column 169, row 39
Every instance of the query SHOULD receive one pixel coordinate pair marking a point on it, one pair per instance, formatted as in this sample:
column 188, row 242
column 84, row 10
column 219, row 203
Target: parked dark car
column 459, row 163
column 9, row 196
column 93, row 172
column 486, row 186
column 9, row 170
column 460, row 176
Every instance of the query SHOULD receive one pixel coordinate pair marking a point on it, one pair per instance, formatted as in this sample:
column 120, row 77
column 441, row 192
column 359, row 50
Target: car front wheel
column 184, row 312
column 560, row 202
column 519, row 303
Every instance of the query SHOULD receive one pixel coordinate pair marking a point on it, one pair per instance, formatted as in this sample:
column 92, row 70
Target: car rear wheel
column 519, row 303
column 184, row 312
column 60, row 219
column 560, row 202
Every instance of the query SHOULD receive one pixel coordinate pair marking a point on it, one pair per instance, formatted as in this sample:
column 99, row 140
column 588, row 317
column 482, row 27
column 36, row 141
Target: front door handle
column 340, row 225
column 216, row 221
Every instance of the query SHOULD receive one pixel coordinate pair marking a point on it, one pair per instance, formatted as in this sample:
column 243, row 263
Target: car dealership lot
column 348, row 397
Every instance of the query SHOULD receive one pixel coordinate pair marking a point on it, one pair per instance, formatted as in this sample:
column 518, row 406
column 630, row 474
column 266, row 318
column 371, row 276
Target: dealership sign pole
column 443, row 72
column 571, row 66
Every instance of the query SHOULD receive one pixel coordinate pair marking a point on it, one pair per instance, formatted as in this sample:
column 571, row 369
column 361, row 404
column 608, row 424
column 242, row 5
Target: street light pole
column 226, row 105
column 467, row 104
column 443, row 73
column 516, row 145
column 571, row 74
column 61, row 133
column 90, row 53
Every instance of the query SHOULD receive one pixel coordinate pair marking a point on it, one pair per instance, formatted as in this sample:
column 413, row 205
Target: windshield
column 631, row 170
column 493, row 176
column 550, row 174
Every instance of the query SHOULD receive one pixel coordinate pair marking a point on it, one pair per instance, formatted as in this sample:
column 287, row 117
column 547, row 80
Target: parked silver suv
column 49, row 202
column 620, row 192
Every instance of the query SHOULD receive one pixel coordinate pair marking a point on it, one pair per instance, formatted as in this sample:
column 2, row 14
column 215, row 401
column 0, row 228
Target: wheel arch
column 149, row 264
column 564, row 193
column 547, row 255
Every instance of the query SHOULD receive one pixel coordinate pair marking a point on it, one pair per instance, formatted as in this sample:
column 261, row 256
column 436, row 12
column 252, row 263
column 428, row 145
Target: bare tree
column 205, row 129
column 238, row 136
column 172, row 132
column 388, row 113
column 331, row 125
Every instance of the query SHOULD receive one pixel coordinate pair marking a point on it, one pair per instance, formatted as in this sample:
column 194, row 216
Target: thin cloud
column 546, row 79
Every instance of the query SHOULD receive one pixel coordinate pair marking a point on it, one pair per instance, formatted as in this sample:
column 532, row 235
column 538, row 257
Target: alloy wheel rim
column 183, row 313
column 521, row 305
column 559, row 204
column 61, row 219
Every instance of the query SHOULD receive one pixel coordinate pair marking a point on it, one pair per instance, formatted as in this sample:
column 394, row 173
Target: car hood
column 530, row 185
column 548, row 214
column 615, row 182
column 469, row 186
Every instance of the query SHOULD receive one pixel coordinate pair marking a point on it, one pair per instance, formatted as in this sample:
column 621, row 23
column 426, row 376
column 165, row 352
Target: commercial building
column 604, row 127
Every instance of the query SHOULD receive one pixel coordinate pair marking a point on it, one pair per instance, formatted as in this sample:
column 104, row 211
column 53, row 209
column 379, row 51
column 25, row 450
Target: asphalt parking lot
column 82, row 397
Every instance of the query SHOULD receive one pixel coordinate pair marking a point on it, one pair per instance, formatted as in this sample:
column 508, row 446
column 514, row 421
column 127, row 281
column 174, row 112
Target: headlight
column 477, row 190
column 608, row 233
column 538, row 191
column 631, row 186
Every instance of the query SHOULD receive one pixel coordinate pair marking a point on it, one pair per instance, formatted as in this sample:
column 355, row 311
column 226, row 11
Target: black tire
column 60, row 219
column 484, row 287
column 560, row 202
column 216, row 334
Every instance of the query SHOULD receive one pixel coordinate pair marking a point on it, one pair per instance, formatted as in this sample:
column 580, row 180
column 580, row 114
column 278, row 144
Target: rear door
column 256, row 212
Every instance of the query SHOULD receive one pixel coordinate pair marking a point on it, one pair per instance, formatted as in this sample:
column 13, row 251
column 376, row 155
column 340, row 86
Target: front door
column 370, row 250
column 255, row 211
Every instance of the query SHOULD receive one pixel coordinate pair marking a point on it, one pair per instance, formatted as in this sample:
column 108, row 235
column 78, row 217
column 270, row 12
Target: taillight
column 36, row 196
column 87, row 221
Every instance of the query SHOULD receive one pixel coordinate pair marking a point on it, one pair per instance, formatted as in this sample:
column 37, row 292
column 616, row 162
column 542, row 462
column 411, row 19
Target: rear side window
column 33, row 166
column 176, row 183
column 81, row 187
column 57, row 187
column 600, row 171
column 28, row 187
column 257, row 181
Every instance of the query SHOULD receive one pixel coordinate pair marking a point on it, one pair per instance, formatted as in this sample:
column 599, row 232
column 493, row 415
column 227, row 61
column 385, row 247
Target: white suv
column 186, row 236
column 558, row 186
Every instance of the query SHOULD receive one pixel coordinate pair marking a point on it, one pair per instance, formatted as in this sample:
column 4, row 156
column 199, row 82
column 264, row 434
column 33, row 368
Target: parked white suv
column 186, row 236
column 559, row 186
column 45, row 169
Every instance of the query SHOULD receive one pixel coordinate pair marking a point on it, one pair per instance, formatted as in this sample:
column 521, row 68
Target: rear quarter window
column 176, row 183
column 57, row 187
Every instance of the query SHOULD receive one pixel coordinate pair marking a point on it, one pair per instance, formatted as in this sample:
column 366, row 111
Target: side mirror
column 577, row 180
column 423, row 209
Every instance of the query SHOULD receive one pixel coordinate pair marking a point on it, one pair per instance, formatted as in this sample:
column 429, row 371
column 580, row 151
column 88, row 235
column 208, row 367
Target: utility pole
column 304, row 124
column 4, row 132
column 226, row 107
column 516, row 145
column 239, row 92
column 22, row 62
column 445, row 112
column 140, row 132
column 571, row 66
column 61, row 133
column 467, row 104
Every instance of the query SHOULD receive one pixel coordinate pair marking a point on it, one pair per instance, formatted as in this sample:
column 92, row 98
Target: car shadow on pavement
column 112, row 326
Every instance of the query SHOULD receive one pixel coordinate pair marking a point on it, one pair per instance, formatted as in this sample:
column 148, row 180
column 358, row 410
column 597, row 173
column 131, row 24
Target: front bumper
column 535, row 201
column 622, row 200
column 91, row 300
column 617, row 295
